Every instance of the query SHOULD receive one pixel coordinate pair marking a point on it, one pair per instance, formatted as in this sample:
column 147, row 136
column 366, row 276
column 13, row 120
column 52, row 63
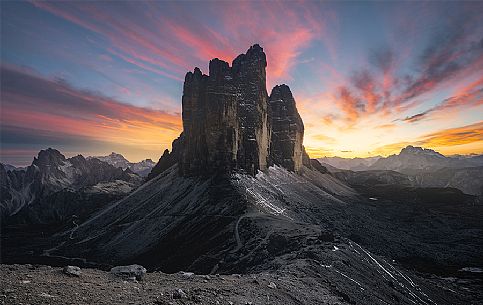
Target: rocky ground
column 277, row 227
column 300, row 282
column 38, row 284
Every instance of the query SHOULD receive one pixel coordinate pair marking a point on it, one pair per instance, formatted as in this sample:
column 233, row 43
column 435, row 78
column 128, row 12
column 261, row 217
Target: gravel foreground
column 38, row 284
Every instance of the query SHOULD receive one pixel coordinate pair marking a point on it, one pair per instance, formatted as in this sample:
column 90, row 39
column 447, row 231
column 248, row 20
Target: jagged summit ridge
column 50, row 173
column 142, row 168
column 225, row 116
column 412, row 150
column 227, row 121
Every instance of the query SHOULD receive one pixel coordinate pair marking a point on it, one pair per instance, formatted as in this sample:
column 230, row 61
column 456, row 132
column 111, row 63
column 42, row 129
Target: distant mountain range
column 51, row 176
column 10, row 167
column 413, row 160
column 142, row 168
column 416, row 166
column 410, row 160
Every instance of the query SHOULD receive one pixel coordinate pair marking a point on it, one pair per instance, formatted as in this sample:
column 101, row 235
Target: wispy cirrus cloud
column 454, row 136
column 323, row 138
column 417, row 117
column 469, row 96
column 174, row 43
column 62, row 114
column 363, row 74
column 392, row 82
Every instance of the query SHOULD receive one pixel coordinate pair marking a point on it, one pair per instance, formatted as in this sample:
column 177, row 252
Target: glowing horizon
column 368, row 78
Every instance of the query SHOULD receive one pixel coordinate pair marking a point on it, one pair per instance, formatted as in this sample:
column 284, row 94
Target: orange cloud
column 170, row 46
column 386, row 126
column 454, row 136
column 349, row 104
column 317, row 152
column 468, row 96
column 445, row 141
column 68, row 114
column 323, row 138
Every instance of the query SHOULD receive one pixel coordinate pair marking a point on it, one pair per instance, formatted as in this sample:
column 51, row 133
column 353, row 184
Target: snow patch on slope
column 278, row 190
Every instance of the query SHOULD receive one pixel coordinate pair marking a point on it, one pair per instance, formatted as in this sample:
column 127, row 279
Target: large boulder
column 130, row 271
column 72, row 271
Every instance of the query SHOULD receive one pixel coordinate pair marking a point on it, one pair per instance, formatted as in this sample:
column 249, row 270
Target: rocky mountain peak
column 116, row 155
column 227, row 124
column 219, row 68
column 141, row 168
column 412, row 150
column 9, row 167
column 147, row 161
column 281, row 90
column 225, row 117
column 254, row 54
column 287, row 129
column 253, row 63
column 49, row 157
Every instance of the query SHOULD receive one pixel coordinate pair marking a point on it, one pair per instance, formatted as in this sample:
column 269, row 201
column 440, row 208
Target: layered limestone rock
column 287, row 132
column 225, row 117
column 228, row 121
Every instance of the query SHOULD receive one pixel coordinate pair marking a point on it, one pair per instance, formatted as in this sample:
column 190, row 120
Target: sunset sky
column 369, row 77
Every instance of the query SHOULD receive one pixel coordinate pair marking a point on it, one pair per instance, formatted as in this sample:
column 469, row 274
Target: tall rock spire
column 287, row 132
column 225, row 118
column 230, row 124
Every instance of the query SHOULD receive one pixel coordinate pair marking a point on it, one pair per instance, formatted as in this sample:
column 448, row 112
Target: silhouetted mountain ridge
column 142, row 168
column 412, row 160
column 413, row 166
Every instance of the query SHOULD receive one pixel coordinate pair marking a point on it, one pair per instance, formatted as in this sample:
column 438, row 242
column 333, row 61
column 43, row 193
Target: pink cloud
column 71, row 111
column 171, row 47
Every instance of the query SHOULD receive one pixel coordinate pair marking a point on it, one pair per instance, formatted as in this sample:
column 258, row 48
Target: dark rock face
column 225, row 117
column 315, row 164
column 306, row 161
column 72, row 271
column 287, row 129
column 227, row 122
column 253, row 109
column 168, row 159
